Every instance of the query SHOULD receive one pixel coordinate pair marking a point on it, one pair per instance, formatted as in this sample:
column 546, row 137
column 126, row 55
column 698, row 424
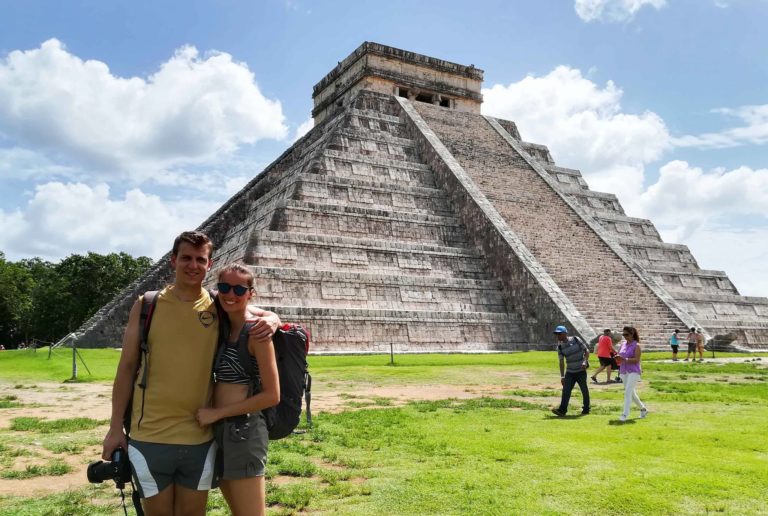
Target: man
column 605, row 353
column 171, row 455
column 674, row 341
column 573, row 356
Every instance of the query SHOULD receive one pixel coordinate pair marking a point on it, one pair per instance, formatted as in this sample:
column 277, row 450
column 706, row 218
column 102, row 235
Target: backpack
column 291, row 343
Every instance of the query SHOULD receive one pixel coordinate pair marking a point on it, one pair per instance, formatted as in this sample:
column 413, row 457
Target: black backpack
column 291, row 343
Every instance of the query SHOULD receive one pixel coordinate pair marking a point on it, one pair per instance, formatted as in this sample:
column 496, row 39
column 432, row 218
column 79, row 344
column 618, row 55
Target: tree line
column 45, row 301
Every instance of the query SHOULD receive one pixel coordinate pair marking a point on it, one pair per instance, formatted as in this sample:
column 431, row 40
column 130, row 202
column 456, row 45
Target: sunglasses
column 239, row 290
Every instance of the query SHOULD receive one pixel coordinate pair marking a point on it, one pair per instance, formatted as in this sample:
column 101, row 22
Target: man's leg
column 610, row 370
column 581, row 378
column 189, row 502
column 194, row 477
column 568, row 382
column 152, row 466
column 160, row 504
column 600, row 370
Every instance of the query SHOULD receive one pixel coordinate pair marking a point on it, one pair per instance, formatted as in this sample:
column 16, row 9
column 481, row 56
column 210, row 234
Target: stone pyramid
column 406, row 218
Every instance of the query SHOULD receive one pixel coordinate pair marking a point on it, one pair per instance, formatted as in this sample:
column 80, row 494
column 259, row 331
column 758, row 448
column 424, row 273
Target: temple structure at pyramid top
column 392, row 71
column 407, row 219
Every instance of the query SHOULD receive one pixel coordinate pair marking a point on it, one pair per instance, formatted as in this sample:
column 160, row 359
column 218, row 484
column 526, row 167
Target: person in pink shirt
column 605, row 353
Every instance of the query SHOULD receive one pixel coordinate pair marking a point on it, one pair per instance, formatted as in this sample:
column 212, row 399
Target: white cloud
column 685, row 198
column 62, row 219
column 583, row 125
column 192, row 109
column 304, row 128
column 613, row 10
column 743, row 251
column 754, row 131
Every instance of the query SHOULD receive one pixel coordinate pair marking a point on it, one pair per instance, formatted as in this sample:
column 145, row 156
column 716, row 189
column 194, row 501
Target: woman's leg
column 630, row 380
column 635, row 397
column 245, row 496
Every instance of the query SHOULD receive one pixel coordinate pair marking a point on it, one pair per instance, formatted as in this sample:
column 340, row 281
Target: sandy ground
column 58, row 401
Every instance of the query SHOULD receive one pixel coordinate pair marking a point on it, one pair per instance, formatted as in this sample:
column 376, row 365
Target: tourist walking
column 674, row 341
column 239, row 398
column 693, row 340
column 630, row 371
column 573, row 356
column 605, row 353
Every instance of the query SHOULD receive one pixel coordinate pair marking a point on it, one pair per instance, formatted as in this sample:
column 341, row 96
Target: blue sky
column 123, row 123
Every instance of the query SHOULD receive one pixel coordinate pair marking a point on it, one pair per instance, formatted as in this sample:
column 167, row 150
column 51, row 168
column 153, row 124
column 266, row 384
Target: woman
column 241, row 431
column 630, row 370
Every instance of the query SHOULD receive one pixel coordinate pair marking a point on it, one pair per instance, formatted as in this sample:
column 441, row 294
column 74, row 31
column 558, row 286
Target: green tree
column 46, row 301
column 16, row 287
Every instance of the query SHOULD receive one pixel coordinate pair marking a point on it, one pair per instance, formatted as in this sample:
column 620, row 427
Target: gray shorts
column 243, row 442
column 155, row 466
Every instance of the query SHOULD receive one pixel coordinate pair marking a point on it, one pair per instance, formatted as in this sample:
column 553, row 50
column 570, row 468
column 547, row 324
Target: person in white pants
column 630, row 371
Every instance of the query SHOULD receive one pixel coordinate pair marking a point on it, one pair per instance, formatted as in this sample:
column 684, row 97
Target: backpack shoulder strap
column 148, row 305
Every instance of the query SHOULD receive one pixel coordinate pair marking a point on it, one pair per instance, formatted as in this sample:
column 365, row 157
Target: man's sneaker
column 685, row 360
column 594, row 379
column 618, row 380
column 585, row 412
column 558, row 412
column 643, row 413
column 674, row 360
column 622, row 418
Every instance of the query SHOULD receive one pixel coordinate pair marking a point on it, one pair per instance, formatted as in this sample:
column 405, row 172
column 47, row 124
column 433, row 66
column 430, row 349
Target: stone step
column 377, row 123
column 373, row 331
column 566, row 177
column 592, row 200
column 380, row 195
column 377, row 136
column 357, row 166
column 344, row 253
column 623, row 225
column 333, row 219
column 336, row 289
column 373, row 145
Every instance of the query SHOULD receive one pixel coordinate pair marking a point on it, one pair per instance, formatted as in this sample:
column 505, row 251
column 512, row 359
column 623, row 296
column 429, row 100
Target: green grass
column 34, row 365
column 54, row 468
column 702, row 449
column 47, row 426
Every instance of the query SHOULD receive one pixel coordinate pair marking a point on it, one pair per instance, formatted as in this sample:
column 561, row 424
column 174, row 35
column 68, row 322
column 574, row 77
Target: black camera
column 118, row 469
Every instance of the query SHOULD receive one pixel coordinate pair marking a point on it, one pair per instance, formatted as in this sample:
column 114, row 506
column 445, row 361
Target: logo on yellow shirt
column 206, row 318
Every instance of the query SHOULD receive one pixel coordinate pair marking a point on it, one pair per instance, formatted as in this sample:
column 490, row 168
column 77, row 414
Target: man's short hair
column 607, row 330
column 195, row 239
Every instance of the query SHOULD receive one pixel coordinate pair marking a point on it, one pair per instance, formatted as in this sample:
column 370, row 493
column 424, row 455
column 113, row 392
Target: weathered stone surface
column 405, row 219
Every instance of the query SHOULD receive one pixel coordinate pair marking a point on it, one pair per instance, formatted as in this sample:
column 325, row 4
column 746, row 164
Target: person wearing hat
column 573, row 355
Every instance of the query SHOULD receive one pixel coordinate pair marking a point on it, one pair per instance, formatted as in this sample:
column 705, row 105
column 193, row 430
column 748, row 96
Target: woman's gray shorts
column 243, row 442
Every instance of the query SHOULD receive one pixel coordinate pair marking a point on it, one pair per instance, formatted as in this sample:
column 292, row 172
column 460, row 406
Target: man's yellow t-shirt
column 182, row 344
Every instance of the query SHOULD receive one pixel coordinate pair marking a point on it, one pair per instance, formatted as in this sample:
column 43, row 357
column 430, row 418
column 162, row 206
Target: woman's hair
column 239, row 268
column 633, row 332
